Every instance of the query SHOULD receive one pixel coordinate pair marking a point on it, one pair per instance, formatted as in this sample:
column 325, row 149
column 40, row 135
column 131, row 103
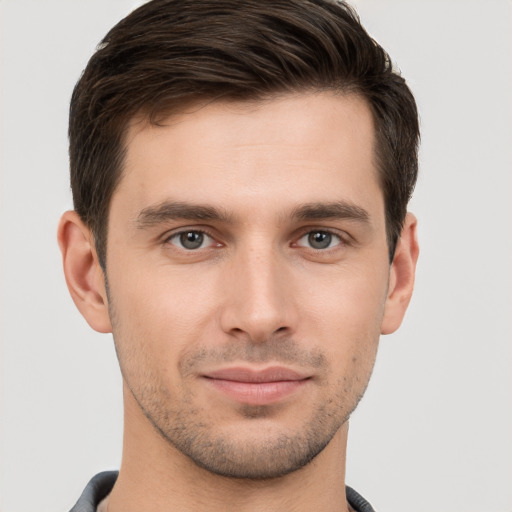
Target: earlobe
column 83, row 272
column 401, row 278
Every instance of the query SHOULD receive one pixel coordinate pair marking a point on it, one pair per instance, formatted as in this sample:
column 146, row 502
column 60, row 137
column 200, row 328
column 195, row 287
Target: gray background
column 434, row 430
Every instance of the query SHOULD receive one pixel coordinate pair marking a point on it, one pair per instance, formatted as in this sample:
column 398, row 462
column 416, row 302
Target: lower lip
column 257, row 393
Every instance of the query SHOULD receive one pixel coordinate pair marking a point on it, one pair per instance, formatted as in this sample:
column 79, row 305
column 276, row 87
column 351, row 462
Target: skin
column 290, row 270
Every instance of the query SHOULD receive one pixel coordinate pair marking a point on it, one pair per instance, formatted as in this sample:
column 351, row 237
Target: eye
column 190, row 240
column 319, row 240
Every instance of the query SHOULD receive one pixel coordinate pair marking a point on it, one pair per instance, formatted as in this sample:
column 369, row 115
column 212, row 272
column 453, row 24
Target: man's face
column 248, row 269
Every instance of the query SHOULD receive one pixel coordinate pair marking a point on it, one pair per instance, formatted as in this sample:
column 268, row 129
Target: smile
column 252, row 387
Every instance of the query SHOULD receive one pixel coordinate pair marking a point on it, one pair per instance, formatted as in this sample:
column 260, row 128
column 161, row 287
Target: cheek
column 157, row 315
column 344, row 318
column 350, row 300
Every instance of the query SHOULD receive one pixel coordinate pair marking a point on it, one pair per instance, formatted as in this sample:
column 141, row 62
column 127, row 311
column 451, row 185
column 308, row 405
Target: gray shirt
column 101, row 485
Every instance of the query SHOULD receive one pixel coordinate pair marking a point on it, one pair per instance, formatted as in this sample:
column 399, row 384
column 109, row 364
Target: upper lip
column 244, row 374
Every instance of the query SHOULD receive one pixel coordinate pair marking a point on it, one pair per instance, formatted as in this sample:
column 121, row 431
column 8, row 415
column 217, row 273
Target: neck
column 154, row 476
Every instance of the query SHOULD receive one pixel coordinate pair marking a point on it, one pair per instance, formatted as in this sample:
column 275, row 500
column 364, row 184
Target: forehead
column 297, row 147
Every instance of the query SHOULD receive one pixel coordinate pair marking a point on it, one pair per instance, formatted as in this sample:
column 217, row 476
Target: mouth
column 256, row 387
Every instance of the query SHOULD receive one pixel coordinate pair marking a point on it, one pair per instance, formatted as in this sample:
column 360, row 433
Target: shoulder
column 357, row 502
column 98, row 487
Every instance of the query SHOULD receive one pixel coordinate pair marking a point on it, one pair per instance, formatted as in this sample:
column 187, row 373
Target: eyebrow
column 173, row 210
column 334, row 210
column 178, row 210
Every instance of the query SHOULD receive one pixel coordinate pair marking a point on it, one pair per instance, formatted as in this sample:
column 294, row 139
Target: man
column 240, row 173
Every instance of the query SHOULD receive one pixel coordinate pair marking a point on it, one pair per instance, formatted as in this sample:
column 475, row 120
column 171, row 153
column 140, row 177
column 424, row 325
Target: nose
column 259, row 299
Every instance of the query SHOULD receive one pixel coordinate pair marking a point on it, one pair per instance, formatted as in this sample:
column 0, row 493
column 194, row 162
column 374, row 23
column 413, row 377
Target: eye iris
column 320, row 239
column 191, row 239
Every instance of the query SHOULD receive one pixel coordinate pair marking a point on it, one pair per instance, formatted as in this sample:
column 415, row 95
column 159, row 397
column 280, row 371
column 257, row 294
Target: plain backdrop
column 434, row 431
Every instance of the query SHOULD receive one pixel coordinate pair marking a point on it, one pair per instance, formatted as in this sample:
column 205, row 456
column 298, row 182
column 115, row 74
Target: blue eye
column 190, row 240
column 319, row 240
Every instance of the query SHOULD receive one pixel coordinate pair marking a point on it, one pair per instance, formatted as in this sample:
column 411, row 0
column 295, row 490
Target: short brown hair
column 167, row 53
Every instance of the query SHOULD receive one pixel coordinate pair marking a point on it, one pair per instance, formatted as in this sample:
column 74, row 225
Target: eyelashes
column 191, row 240
column 319, row 240
column 196, row 240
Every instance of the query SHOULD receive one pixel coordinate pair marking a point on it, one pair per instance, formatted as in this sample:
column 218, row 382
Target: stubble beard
column 186, row 428
column 275, row 456
column 267, row 455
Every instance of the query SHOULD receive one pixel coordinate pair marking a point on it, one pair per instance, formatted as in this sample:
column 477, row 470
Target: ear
column 401, row 276
column 84, row 276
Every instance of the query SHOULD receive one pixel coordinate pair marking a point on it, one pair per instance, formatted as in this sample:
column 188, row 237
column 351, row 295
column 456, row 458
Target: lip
column 256, row 387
